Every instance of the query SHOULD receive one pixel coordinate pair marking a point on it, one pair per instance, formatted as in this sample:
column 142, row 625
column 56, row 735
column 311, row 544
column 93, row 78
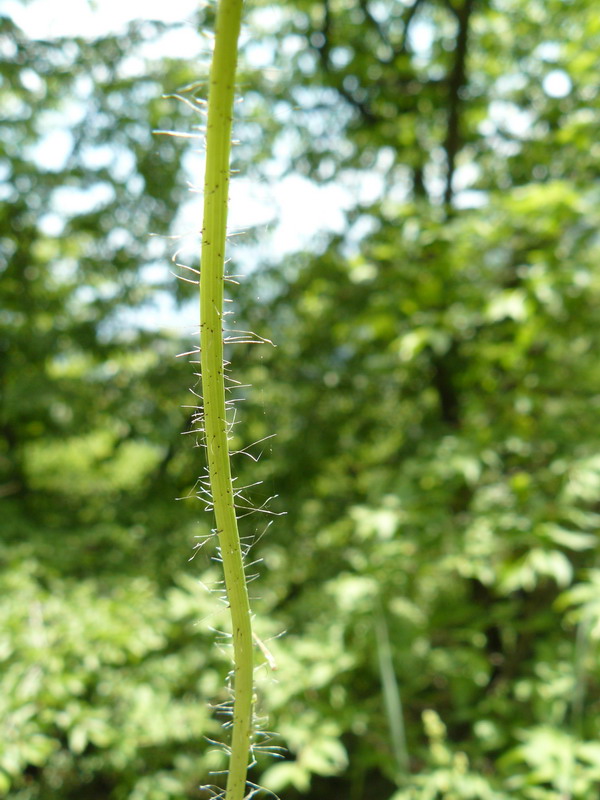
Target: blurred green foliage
column 434, row 390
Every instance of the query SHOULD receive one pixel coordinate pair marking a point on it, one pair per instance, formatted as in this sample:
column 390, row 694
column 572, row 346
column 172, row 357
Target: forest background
column 434, row 391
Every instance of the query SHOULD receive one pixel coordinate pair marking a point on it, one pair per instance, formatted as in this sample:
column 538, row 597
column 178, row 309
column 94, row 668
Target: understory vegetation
column 428, row 599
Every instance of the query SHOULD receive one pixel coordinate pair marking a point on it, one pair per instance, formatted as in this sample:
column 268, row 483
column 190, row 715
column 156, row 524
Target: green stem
column 216, row 188
column 391, row 695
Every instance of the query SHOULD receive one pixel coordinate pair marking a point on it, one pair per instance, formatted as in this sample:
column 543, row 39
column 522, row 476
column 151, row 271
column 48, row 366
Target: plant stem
column 216, row 188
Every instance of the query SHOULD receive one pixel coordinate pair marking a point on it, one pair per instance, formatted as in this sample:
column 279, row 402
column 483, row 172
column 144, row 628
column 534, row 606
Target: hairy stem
column 216, row 188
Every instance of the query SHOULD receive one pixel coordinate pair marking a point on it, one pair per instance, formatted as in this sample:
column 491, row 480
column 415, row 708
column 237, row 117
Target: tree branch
column 456, row 81
column 410, row 15
column 324, row 50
